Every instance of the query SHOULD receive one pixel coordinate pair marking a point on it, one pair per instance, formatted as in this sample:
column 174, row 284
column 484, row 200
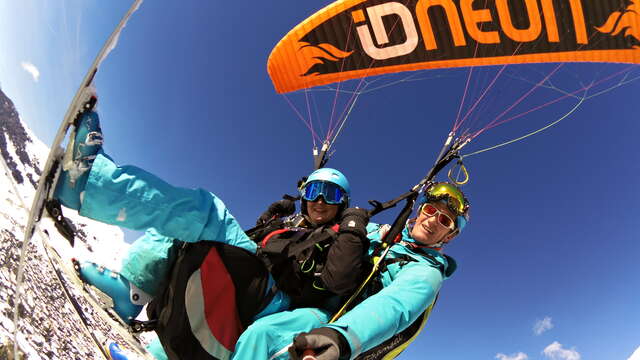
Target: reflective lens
column 445, row 221
column 429, row 210
column 331, row 193
column 443, row 218
column 454, row 197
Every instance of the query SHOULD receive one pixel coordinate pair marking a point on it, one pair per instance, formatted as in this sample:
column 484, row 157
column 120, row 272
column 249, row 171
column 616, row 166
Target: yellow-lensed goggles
column 452, row 195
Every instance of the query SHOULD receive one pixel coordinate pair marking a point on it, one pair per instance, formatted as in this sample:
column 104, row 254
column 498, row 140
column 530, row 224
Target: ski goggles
column 452, row 195
column 444, row 219
column 330, row 192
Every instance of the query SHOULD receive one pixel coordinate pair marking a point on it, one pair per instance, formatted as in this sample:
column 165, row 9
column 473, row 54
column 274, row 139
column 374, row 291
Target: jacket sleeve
column 345, row 264
column 392, row 309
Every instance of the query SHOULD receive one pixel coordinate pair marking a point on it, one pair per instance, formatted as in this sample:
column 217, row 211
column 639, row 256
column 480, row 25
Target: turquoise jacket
column 408, row 289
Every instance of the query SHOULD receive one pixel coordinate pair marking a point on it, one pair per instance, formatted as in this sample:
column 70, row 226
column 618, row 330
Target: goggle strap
column 447, row 197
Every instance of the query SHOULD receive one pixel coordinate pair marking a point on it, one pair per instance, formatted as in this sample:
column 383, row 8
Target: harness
column 296, row 256
column 210, row 283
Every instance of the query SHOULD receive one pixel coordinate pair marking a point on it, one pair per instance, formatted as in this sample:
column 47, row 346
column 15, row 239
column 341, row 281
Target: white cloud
column 31, row 69
column 635, row 355
column 542, row 325
column 555, row 351
column 518, row 356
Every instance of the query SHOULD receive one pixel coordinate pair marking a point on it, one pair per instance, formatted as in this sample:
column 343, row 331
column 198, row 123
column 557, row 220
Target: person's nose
column 432, row 220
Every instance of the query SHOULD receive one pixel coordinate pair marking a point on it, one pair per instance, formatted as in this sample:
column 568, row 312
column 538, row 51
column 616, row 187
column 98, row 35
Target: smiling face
column 428, row 230
column 320, row 212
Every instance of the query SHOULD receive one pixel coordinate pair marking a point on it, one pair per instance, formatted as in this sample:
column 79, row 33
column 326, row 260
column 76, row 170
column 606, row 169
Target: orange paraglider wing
column 357, row 38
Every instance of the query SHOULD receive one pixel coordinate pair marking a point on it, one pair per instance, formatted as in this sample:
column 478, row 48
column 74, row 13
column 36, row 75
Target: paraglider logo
column 470, row 21
column 315, row 55
column 376, row 13
column 627, row 21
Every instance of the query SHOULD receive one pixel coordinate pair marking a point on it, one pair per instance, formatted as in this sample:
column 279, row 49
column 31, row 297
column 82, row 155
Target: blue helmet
column 320, row 182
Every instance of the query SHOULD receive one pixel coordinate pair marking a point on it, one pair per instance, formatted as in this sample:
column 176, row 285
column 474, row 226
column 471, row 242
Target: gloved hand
column 328, row 344
column 354, row 220
column 278, row 209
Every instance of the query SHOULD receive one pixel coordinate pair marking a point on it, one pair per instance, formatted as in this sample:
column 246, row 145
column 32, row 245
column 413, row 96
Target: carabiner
column 462, row 169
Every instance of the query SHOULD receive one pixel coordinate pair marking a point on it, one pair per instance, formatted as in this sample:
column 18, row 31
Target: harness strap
column 272, row 234
column 268, row 297
column 404, row 259
column 312, row 239
column 380, row 207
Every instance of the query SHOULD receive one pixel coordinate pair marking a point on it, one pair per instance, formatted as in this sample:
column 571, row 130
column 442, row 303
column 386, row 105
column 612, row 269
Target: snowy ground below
column 48, row 326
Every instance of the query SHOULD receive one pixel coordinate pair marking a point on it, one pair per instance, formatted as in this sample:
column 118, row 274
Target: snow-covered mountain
column 48, row 327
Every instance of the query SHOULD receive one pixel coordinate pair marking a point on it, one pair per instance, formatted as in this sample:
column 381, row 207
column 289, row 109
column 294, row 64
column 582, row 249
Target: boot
column 84, row 148
column 128, row 300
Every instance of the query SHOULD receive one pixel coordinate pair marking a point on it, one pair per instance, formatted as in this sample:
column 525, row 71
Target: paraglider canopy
column 357, row 38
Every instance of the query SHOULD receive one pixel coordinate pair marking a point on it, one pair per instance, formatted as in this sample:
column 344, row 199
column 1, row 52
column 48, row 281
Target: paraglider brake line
column 529, row 134
column 345, row 117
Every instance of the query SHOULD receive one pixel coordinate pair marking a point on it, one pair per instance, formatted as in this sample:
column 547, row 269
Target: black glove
column 328, row 344
column 354, row 220
column 278, row 209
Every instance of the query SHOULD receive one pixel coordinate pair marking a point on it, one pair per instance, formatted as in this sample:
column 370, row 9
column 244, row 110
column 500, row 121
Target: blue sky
column 553, row 237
